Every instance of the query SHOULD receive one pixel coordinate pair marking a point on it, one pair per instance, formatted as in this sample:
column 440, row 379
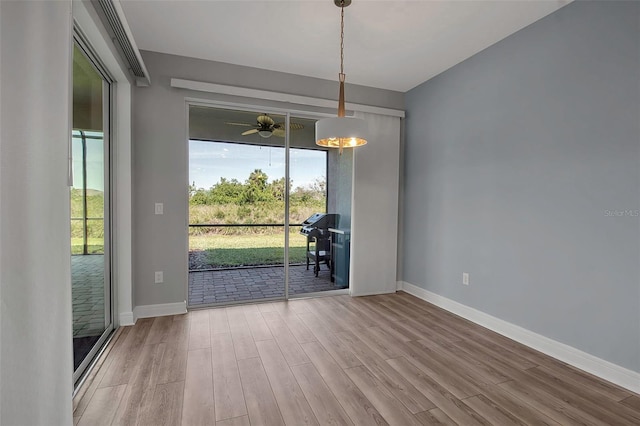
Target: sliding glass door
column 246, row 175
column 90, row 218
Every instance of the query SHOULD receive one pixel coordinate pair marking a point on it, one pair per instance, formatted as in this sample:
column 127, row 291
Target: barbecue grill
column 320, row 221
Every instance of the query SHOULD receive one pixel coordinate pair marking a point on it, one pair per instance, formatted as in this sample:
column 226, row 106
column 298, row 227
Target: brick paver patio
column 87, row 281
column 205, row 287
column 231, row 285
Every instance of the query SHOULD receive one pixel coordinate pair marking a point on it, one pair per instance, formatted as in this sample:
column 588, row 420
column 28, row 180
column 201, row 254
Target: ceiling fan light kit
column 341, row 132
column 265, row 127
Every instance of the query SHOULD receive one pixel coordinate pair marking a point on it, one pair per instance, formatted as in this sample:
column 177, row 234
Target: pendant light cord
column 342, row 38
column 341, row 110
column 342, row 131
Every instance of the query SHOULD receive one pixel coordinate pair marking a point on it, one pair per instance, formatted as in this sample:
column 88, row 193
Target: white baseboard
column 126, row 318
column 606, row 370
column 148, row 311
column 399, row 285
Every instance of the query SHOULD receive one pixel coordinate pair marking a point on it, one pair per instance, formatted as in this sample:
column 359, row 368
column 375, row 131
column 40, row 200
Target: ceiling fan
column 266, row 127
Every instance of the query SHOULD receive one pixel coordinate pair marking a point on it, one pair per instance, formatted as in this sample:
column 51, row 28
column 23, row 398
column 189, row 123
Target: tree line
column 256, row 189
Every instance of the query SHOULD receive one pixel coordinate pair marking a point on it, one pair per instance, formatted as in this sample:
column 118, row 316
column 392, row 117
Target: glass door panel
column 236, row 206
column 309, row 240
column 339, row 199
column 91, row 287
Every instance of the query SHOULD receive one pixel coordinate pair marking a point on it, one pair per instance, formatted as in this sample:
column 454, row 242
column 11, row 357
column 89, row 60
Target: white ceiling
column 388, row 44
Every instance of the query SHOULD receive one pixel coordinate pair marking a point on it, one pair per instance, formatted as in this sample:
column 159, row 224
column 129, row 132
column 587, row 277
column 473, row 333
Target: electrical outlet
column 465, row 278
column 159, row 277
column 159, row 208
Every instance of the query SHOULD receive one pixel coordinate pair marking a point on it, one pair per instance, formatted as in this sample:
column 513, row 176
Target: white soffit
column 392, row 45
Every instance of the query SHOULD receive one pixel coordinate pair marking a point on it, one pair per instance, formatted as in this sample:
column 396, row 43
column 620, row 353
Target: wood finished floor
column 391, row 359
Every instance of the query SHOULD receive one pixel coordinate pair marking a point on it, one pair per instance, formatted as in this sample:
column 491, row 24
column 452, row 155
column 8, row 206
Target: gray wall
column 160, row 157
column 36, row 364
column 515, row 160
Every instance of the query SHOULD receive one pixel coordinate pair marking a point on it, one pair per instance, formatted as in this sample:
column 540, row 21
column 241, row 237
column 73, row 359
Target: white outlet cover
column 159, row 277
column 159, row 208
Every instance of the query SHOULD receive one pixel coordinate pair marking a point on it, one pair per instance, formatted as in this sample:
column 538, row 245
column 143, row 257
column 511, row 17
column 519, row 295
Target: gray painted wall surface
column 36, row 363
column 515, row 159
column 255, row 78
column 160, row 160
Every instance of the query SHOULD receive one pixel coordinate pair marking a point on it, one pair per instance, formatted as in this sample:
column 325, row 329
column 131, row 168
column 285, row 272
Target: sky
column 209, row 161
column 95, row 163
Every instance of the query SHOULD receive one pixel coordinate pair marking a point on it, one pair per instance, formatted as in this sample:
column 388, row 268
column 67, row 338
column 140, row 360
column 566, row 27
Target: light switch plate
column 159, row 208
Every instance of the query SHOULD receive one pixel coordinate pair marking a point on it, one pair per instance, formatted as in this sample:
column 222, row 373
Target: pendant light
column 341, row 132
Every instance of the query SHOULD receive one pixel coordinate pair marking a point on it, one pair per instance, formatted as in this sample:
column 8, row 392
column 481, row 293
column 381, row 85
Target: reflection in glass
column 88, row 207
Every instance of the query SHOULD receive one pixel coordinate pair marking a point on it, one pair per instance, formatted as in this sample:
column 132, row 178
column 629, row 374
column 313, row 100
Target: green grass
column 249, row 249
column 248, row 246
column 95, row 245
column 220, row 258
column 218, row 241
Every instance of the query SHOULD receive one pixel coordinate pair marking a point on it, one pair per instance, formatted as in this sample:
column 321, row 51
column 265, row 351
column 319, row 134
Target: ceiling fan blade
column 265, row 120
column 250, row 132
column 278, row 132
column 239, row 124
column 292, row 126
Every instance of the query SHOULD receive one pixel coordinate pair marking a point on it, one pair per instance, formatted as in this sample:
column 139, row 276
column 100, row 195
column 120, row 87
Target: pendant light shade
column 341, row 132
column 330, row 132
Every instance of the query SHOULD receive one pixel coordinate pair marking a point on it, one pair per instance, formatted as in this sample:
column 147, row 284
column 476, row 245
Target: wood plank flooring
column 378, row 360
